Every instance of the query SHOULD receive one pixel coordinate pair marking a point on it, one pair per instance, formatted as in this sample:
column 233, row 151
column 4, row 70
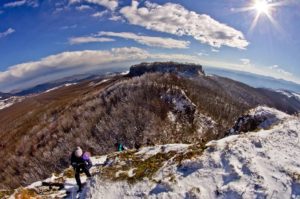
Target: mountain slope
column 38, row 134
column 261, row 164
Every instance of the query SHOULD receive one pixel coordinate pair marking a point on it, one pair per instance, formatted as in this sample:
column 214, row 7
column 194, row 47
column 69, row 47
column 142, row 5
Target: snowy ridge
column 65, row 85
column 10, row 101
column 262, row 164
column 289, row 94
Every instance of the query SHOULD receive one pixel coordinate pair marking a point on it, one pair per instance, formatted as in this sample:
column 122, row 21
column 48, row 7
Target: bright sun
column 262, row 7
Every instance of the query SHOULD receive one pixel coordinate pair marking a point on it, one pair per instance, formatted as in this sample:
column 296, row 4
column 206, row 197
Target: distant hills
column 257, row 81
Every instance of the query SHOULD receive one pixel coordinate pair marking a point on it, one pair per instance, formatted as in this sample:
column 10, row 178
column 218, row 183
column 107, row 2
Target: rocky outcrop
column 183, row 69
column 258, row 118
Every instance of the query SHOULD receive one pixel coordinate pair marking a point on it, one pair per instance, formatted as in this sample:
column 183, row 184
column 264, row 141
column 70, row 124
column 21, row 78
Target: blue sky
column 45, row 40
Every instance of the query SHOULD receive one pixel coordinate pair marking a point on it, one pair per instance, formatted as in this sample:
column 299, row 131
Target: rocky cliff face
column 183, row 69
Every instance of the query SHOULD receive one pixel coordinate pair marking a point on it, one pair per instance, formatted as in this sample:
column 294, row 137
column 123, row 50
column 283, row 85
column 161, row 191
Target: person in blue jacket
column 81, row 163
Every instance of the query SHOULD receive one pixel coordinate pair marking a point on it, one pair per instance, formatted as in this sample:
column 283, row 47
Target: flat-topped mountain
column 185, row 69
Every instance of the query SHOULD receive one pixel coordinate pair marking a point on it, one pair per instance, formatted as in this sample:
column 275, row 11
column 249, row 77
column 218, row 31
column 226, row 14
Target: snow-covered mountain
column 7, row 102
column 290, row 94
column 263, row 163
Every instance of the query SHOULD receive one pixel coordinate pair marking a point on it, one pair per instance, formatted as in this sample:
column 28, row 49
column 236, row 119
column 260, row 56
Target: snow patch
column 147, row 152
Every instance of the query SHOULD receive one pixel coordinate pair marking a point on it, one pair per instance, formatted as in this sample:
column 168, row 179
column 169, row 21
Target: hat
column 78, row 152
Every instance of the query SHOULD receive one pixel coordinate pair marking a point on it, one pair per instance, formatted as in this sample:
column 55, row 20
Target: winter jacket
column 80, row 162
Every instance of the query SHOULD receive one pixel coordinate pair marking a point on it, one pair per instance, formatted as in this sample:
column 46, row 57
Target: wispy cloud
column 31, row 3
column 109, row 4
column 215, row 50
column 161, row 42
column 99, row 14
column 201, row 54
column 279, row 70
column 115, row 17
column 175, row 19
column 81, row 40
column 7, row 32
column 83, row 7
column 69, row 27
column 15, row 4
column 245, row 61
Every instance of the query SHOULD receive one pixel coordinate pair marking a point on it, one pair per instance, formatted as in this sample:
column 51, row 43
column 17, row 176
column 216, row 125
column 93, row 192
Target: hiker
column 120, row 147
column 81, row 162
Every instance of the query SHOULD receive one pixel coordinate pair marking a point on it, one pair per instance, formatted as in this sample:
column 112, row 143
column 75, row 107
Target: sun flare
column 262, row 7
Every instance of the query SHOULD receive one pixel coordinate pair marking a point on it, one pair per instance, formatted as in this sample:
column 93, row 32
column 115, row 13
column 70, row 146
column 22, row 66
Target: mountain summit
column 184, row 69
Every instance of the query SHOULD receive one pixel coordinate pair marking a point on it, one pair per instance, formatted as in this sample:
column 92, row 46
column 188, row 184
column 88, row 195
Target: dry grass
column 26, row 194
column 145, row 168
column 69, row 173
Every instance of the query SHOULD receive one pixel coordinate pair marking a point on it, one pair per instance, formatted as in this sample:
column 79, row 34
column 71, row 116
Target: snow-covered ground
column 10, row 101
column 263, row 164
column 65, row 85
column 260, row 164
column 289, row 94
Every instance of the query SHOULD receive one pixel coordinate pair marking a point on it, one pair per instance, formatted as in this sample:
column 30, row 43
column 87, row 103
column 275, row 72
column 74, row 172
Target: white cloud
column 175, row 19
column 74, row 1
column 279, row 70
column 83, row 7
column 49, row 68
column 81, row 40
column 274, row 67
column 7, row 32
column 68, row 63
column 109, row 4
column 15, row 3
column 116, row 18
column 99, row 14
column 32, row 3
column 201, row 54
column 149, row 41
column 69, row 27
column 245, row 61
column 215, row 50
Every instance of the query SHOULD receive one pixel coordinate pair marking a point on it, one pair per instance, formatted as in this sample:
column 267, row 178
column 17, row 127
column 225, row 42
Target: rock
column 183, row 69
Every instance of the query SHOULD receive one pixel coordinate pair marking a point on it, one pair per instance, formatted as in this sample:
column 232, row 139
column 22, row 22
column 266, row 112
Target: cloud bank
column 68, row 63
column 149, row 40
column 175, row 19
